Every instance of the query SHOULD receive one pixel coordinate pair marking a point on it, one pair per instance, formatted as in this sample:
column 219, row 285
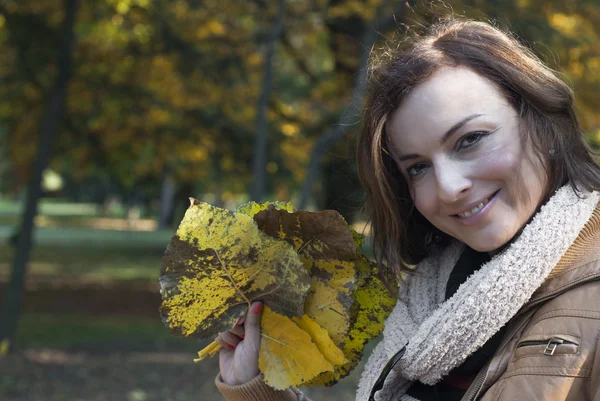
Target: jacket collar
column 577, row 265
column 440, row 334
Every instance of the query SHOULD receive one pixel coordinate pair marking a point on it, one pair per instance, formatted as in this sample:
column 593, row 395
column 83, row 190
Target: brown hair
column 401, row 235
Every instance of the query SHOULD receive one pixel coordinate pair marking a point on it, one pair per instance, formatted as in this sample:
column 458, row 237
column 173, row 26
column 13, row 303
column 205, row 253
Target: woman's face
column 457, row 141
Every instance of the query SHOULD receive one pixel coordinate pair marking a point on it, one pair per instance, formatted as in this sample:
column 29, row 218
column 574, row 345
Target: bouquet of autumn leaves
column 323, row 299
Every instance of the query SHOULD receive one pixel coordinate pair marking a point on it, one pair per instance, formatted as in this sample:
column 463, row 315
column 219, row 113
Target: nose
column 452, row 181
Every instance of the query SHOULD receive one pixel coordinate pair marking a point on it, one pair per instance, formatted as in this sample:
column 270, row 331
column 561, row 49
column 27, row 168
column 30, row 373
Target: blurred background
column 114, row 112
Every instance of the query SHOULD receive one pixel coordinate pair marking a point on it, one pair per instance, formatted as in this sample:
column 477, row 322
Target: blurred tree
column 260, row 147
column 166, row 92
column 382, row 21
column 48, row 127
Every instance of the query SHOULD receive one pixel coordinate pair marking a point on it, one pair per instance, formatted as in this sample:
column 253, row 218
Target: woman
column 476, row 172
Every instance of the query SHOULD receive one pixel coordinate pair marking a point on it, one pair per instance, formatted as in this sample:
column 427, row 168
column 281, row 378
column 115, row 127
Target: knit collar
column 440, row 333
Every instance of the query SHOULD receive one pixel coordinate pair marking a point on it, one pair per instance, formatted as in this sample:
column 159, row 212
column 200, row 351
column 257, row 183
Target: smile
column 475, row 214
column 476, row 208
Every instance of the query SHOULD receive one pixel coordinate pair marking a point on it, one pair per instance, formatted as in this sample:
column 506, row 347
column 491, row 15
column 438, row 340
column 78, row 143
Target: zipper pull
column 552, row 344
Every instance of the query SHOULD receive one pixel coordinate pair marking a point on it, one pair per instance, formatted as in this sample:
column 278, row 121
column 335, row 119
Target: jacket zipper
column 480, row 378
column 551, row 344
column 478, row 382
column 482, row 375
column 474, row 389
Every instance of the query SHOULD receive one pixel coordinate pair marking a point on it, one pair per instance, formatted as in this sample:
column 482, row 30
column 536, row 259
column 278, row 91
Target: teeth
column 475, row 209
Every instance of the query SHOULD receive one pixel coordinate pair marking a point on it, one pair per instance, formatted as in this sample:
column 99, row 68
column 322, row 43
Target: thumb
column 252, row 326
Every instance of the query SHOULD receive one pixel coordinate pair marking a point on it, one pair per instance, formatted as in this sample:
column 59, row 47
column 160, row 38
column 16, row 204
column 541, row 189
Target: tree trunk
column 167, row 201
column 11, row 305
column 260, row 148
column 348, row 117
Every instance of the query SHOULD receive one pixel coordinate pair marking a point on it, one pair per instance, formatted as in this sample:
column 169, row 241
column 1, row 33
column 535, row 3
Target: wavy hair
column 401, row 235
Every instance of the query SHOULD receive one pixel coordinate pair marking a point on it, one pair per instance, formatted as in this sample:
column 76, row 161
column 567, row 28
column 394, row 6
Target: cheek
column 498, row 163
column 424, row 196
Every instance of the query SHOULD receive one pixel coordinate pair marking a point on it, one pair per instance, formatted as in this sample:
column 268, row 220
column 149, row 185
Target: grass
column 79, row 332
column 67, row 236
column 51, row 207
column 100, row 263
column 79, row 356
column 71, row 357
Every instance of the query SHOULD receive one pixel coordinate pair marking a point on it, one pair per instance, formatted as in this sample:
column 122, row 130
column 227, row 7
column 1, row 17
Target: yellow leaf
column 330, row 309
column 4, row 347
column 373, row 303
column 346, row 298
column 252, row 208
column 345, row 307
column 287, row 357
column 217, row 264
column 321, row 338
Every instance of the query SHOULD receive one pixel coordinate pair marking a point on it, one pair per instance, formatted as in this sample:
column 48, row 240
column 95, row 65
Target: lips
column 477, row 208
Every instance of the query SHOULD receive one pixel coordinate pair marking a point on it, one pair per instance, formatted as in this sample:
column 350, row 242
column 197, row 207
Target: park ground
column 90, row 329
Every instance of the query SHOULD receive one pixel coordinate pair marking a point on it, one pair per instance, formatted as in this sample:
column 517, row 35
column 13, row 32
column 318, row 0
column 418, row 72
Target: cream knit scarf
column 440, row 333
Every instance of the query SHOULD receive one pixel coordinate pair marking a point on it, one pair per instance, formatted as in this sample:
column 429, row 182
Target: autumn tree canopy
column 172, row 87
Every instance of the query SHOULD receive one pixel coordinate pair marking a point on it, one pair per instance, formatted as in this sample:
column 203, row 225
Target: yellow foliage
column 349, row 8
column 290, row 129
column 123, row 7
column 227, row 164
column 4, row 347
column 565, row 23
column 288, row 356
column 254, row 59
column 321, row 338
column 211, row 28
column 181, row 9
column 372, row 304
column 158, row 116
column 252, row 208
column 571, row 26
column 296, row 154
column 324, row 306
column 346, row 306
column 272, row 167
column 217, row 263
column 346, row 298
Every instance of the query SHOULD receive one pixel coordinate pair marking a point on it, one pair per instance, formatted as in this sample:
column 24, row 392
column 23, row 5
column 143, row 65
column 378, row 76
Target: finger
column 221, row 342
column 230, row 339
column 226, row 346
column 238, row 330
column 252, row 326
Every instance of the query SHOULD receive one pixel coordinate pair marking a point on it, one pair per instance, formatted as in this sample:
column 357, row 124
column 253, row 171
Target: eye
column 416, row 169
column 471, row 139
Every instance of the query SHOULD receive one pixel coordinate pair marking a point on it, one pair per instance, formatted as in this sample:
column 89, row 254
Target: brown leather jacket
column 551, row 350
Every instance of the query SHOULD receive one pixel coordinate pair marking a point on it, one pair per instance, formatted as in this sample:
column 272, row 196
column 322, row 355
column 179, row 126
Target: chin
column 489, row 245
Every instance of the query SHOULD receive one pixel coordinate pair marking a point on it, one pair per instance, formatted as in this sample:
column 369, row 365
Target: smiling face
column 457, row 141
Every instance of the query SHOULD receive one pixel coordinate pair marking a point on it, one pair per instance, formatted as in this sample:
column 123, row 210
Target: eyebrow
column 444, row 138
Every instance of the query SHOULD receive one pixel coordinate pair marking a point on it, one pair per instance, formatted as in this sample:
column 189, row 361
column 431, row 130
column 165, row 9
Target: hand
column 238, row 359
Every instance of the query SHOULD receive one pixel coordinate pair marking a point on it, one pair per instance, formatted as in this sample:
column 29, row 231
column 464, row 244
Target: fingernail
column 230, row 347
column 241, row 320
column 257, row 308
column 241, row 336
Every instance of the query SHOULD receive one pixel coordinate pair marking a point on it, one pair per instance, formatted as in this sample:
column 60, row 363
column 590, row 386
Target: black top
column 469, row 262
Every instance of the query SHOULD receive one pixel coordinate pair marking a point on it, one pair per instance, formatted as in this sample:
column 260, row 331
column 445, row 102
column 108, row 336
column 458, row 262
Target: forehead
column 445, row 98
